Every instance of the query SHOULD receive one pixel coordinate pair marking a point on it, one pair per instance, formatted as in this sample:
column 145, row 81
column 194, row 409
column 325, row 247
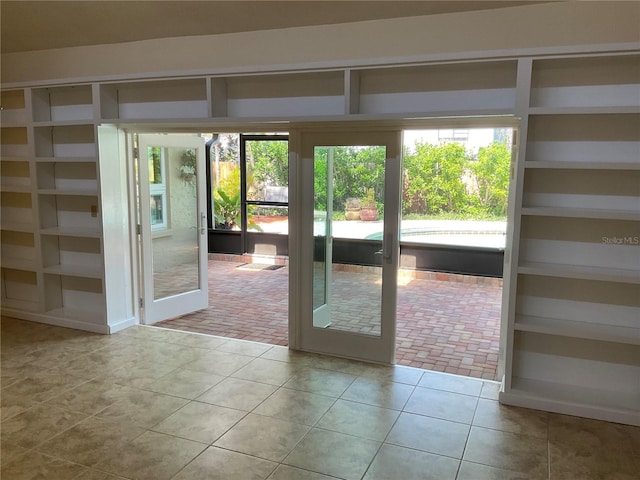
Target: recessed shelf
column 556, row 110
column 551, row 165
column 74, row 256
column 87, row 232
column 162, row 99
column 284, row 95
column 582, row 213
column 72, row 297
column 16, row 209
column 577, row 329
column 483, row 86
column 69, row 212
column 14, row 142
column 63, row 104
column 597, row 82
column 18, row 250
column 580, row 272
column 12, row 107
column 65, row 141
column 71, row 178
column 19, row 289
column 584, row 138
column 603, row 404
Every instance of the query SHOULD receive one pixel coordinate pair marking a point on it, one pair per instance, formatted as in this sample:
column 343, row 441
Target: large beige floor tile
column 395, row 373
column 285, row 472
column 218, row 464
column 476, row 471
column 587, row 449
column 393, row 462
column 429, row 434
column 490, row 414
column 200, row 422
column 37, row 425
column 508, row 451
column 324, row 382
column 39, row 466
column 218, row 363
column 181, row 383
column 237, row 393
column 91, row 397
column 332, row 453
column 268, row 371
column 91, row 440
column 144, row 409
column 295, row 406
column 451, row 383
column 242, row 347
column 359, row 420
column 264, row 437
column 440, row 404
column 379, row 394
column 152, row 456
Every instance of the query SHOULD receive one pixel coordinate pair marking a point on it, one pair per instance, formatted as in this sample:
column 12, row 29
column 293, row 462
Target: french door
column 173, row 225
column 348, row 309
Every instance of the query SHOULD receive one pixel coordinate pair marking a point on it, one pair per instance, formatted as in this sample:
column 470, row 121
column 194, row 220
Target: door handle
column 203, row 223
column 386, row 247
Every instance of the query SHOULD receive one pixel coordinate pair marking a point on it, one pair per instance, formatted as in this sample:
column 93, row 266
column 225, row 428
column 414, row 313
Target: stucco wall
column 531, row 28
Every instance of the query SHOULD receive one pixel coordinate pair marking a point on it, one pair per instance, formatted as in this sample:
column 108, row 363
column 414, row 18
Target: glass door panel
column 173, row 226
column 352, row 258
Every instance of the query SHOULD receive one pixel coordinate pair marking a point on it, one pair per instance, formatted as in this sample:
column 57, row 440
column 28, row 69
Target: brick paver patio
column 447, row 323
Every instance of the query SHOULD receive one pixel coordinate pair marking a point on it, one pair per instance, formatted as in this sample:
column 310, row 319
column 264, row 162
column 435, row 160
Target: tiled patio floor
column 442, row 325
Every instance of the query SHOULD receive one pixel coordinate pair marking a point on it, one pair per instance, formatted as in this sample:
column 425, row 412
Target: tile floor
column 447, row 323
column 156, row 404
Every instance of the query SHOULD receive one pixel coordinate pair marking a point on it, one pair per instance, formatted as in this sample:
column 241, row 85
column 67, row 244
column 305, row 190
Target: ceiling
column 40, row 25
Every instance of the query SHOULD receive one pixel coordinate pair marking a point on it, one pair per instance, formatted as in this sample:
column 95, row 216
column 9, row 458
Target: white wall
column 531, row 28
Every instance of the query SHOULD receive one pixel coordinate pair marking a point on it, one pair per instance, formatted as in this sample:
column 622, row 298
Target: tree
column 268, row 162
column 491, row 176
column 433, row 179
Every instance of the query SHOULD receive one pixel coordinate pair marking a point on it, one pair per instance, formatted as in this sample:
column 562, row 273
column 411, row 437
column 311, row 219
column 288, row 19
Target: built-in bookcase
column 573, row 306
column 53, row 258
column 571, row 337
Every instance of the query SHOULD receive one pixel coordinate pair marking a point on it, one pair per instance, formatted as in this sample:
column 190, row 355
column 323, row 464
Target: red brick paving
column 447, row 323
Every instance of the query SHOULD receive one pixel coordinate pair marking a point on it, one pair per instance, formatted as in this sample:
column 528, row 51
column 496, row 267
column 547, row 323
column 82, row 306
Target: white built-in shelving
column 572, row 307
column 572, row 271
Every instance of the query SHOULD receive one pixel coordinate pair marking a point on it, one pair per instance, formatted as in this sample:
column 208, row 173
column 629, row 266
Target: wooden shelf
column 66, row 105
column 603, row 404
column 583, row 110
column 582, row 213
column 66, row 191
column 72, row 231
column 75, row 271
column 582, row 165
column 67, row 159
column 17, row 227
column 19, row 264
column 572, row 328
column 82, row 316
column 580, row 272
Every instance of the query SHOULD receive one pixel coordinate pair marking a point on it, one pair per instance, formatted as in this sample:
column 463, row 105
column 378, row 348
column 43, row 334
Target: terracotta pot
column 368, row 214
column 352, row 214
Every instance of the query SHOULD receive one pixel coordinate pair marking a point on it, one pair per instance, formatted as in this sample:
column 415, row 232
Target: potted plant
column 369, row 207
column 226, row 210
column 352, row 209
column 188, row 166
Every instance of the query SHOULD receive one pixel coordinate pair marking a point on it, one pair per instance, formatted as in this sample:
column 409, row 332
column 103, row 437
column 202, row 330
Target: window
column 157, row 188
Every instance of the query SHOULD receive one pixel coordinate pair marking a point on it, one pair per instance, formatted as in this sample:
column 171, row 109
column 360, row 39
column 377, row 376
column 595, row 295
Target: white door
column 173, row 223
column 348, row 268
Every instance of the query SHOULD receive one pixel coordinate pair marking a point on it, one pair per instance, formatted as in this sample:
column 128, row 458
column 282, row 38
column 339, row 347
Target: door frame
column 153, row 310
column 302, row 336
